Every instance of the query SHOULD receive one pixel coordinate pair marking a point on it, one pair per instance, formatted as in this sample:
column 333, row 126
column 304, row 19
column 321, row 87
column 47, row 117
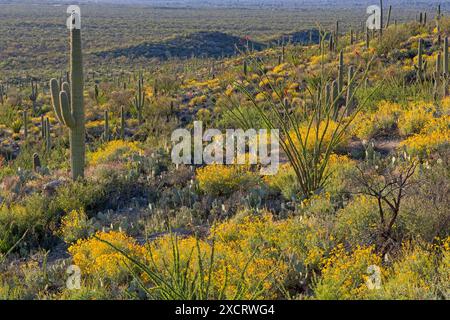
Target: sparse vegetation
column 86, row 175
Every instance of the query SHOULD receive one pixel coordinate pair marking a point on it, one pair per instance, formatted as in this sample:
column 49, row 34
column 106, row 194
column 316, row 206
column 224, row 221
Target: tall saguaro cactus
column 420, row 64
column 34, row 95
column 68, row 104
column 139, row 99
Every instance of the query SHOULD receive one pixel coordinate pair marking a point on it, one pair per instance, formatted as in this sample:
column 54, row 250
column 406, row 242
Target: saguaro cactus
column 445, row 72
column 139, row 98
column 48, row 140
column 388, row 22
column 68, row 104
column 36, row 162
column 420, row 67
column 34, row 95
column 106, row 127
column 341, row 71
column 381, row 20
column 122, row 123
column 367, row 39
column 43, row 130
column 2, row 93
column 96, row 93
column 350, row 98
column 25, row 124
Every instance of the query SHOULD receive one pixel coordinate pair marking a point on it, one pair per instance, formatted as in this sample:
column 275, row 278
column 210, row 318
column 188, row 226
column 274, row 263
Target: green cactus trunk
column 445, row 71
column 106, row 128
column 122, row 123
column 420, row 60
column 341, row 72
column 388, row 22
column 36, row 162
column 48, row 141
column 25, row 124
column 69, row 106
column 350, row 99
column 77, row 132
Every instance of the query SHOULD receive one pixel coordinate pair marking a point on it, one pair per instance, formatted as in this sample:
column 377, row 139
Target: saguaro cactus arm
column 54, row 90
column 65, row 109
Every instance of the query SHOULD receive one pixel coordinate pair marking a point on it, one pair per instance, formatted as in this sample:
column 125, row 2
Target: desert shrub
column 30, row 218
column 381, row 122
column 392, row 37
column 425, row 211
column 98, row 260
column 219, row 180
column 341, row 169
column 307, row 240
column 414, row 120
column 109, row 188
column 414, row 275
column 74, row 225
column 117, row 150
column 358, row 222
column 254, row 272
column 443, row 285
column 78, row 195
column 285, row 182
column 344, row 274
column 90, row 292
column 434, row 137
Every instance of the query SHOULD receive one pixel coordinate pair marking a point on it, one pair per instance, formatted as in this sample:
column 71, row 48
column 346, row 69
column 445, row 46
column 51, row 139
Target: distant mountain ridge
column 410, row 4
column 204, row 44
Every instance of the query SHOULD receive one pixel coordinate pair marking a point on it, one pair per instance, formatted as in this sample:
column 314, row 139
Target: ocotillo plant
column 139, row 98
column 34, row 95
column 68, row 104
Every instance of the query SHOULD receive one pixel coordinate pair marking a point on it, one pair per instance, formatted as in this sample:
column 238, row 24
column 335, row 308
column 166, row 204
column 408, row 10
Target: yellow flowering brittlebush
column 98, row 259
column 433, row 137
column 345, row 274
column 379, row 122
column 117, row 150
column 217, row 179
column 246, row 253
